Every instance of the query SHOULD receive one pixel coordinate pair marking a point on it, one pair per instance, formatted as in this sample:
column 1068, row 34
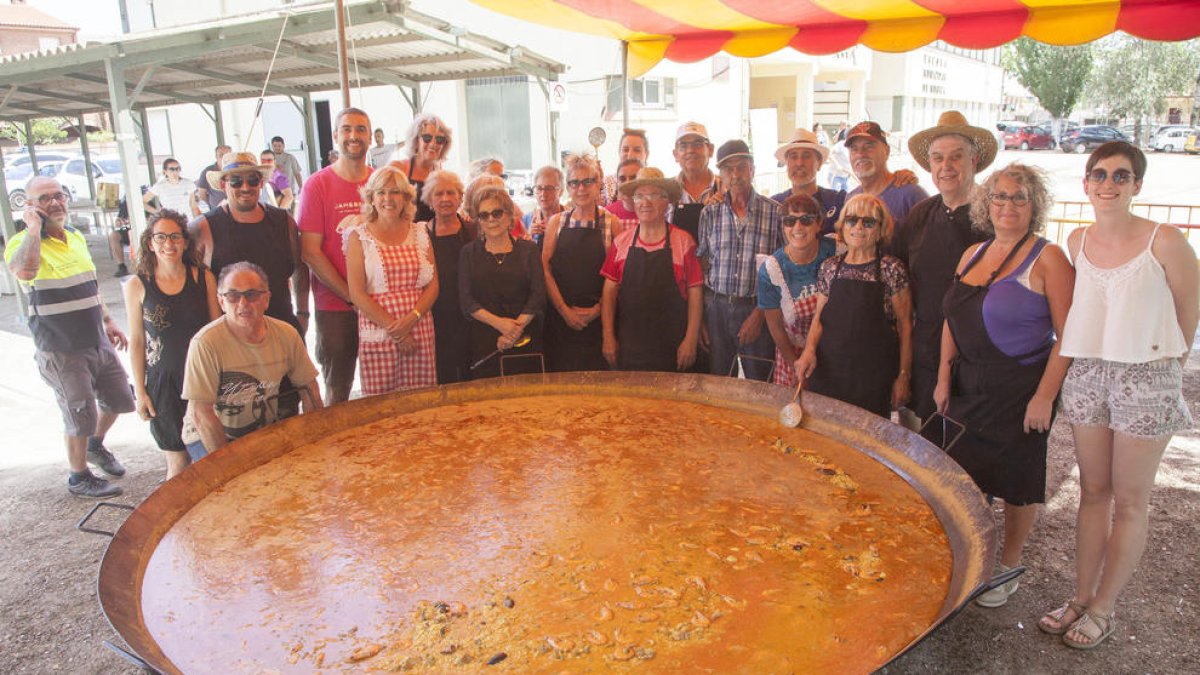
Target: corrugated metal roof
column 228, row 59
column 24, row 16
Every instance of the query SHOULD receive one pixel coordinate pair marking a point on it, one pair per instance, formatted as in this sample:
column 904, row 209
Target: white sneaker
column 998, row 596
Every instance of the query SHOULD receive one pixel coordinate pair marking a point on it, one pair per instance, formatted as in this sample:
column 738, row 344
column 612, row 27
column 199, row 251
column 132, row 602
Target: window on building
column 647, row 93
column 45, row 43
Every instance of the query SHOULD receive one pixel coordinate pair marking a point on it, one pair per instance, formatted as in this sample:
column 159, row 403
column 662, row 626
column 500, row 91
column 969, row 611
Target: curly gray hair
column 1032, row 180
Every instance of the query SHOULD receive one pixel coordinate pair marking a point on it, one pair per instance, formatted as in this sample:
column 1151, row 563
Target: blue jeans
column 723, row 320
column 196, row 450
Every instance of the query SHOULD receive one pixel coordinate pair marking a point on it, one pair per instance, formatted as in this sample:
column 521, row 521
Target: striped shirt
column 730, row 244
column 65, row 312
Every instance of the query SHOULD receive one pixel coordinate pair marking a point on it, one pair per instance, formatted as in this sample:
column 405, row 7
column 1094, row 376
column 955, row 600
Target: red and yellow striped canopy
column 689, row 30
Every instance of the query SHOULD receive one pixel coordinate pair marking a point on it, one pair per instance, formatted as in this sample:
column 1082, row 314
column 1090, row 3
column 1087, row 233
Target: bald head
column 47, row 196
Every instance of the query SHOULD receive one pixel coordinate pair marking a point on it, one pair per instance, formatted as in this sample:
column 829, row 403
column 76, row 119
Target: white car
column 71, row 174
column 1170, row 138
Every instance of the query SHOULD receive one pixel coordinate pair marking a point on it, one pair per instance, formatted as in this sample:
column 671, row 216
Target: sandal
column 1055, row 621
column 1094, row 627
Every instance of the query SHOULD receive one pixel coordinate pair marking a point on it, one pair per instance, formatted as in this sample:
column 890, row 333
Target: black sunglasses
column 237, row 181
column 172, row 168
column 803, row 219
column 576, row 182
column 234, row 297
column 494, row 214
column 866, row 221
column 1119, row 177
column 442, row 140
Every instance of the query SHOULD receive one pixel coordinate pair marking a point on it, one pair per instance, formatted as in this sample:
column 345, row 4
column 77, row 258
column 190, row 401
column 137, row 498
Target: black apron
column 932, row 257
column 989, row 393
column 578, row 257
column 267, row 244
column 502, row 288
column 424, row 211
column 651, row 315
column 450, row 326
column 858, row 356
column 687, row 218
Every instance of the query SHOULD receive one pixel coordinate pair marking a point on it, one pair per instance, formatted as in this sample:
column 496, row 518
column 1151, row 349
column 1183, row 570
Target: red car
column 1029, row 138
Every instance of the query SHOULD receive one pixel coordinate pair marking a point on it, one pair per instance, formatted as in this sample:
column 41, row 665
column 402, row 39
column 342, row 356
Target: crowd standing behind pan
column 882, row 296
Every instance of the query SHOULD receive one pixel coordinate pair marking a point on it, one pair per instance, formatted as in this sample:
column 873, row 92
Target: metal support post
column 127, row 149
column 310, row 134
column 87, row 160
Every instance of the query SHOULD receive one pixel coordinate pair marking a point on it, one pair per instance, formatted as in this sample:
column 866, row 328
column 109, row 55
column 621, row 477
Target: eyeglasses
column 494, row 214
column 267, row 160
column 1119, row 177
column 252, row 295
column 52, row 197
column 172, row 168
column 866, row 221
column 1017, row 199
column 641, row 197
column 546, row 188
column 441, row 140
column 163, row 237
column 237, row 181
column 803, row 219
column 578, row 182
column 690, row 145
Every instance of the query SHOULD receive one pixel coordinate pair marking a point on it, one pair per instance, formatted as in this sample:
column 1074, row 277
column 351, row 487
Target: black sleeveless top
column 267, row 244
column 170, row 321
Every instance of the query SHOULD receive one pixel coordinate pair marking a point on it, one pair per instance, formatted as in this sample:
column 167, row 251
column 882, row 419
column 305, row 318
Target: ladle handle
column 88, row 516
column 125, row 654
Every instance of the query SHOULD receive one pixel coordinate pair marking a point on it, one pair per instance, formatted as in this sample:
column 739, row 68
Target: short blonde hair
column 414, row 133
column 1033, row 180
column 381, row 178
column 582, row 163
column 875, row 208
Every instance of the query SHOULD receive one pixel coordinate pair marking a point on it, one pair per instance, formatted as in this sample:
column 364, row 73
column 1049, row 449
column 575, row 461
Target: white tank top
column 1124, row 314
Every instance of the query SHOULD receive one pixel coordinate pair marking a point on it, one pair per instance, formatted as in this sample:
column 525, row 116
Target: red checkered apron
column 382, row 366
column 795, row 322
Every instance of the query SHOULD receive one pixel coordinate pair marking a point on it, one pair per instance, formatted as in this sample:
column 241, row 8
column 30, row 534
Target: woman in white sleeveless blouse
column 1129, row 331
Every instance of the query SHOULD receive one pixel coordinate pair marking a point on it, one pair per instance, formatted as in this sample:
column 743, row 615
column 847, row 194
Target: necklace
column 499, row 257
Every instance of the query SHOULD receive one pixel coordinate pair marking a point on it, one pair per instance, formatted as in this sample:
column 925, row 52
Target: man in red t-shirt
column 332, row 195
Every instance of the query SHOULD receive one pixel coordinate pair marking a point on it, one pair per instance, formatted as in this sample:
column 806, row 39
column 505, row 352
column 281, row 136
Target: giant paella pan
column 588, row 522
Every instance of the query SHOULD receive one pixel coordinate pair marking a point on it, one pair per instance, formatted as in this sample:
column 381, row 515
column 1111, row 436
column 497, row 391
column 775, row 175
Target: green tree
column 1133, row 77
column 1055, row 75
column 45, row 130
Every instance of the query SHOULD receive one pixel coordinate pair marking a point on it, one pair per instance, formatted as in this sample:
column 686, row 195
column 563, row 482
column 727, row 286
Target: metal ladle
column 792, row 413
column 521, row 342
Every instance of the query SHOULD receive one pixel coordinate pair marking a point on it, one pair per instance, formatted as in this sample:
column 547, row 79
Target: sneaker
column 122, row 270
column 101, row 457
column 998, row 596
column 93, row 488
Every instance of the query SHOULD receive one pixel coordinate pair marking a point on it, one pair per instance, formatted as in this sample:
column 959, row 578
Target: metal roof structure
column 228, row 59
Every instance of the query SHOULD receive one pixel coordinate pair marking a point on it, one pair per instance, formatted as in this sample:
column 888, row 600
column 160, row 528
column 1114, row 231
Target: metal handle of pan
column 81, row 525
column 962, row 429
column 123, row 653
column 737, row 359
column 996, row 581
column 532, row 355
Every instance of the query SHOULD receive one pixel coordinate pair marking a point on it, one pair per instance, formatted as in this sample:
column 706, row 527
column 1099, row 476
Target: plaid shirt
column 730, row 245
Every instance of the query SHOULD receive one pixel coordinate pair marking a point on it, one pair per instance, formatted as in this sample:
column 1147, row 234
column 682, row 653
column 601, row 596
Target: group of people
column 882, row 297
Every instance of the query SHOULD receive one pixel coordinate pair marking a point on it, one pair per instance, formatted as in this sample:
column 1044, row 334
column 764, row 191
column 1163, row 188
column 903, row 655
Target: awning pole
column 87, row 159
column 624, row 84
column 343, row 68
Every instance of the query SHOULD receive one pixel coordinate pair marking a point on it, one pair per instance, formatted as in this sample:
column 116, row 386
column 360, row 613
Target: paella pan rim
column 945, row 487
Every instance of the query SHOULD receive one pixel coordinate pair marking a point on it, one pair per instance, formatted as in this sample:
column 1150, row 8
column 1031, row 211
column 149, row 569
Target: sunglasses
column 690, row 145
column 494, row 214
column 234, row 297
column 237, row 181
column 1018, row 199
column 162, row 237
column 1119, row 177
column 429, row 138
column 866, row 221
column 577, row 182
column 52, row 197
column 804, row 219
column 172, row 168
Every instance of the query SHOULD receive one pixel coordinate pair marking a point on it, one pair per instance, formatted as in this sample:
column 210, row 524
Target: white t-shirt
column 174, row 196
column 380, row 155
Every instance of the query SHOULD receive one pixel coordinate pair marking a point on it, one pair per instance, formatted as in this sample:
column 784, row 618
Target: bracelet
column 417, row 313
column 302, row 313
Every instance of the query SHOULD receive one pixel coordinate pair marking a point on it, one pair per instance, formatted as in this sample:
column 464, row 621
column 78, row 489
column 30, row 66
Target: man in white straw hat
column 931, row 240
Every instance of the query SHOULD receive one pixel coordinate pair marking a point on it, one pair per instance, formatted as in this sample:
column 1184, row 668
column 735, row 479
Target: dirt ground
column 50, row 621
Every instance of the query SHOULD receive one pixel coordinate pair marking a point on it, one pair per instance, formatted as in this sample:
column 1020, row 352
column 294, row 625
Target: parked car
column 1029, row 138
column 1089, row 137
column 24, row 159
column 15, row 179
column 71, row 174
column 1192, row 146
column 1170, row 138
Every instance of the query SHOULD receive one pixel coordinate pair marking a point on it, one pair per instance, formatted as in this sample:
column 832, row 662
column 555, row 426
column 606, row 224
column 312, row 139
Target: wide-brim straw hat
column 653, row 177
column 802, row 138
column 953, row 122
column 238, row 161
